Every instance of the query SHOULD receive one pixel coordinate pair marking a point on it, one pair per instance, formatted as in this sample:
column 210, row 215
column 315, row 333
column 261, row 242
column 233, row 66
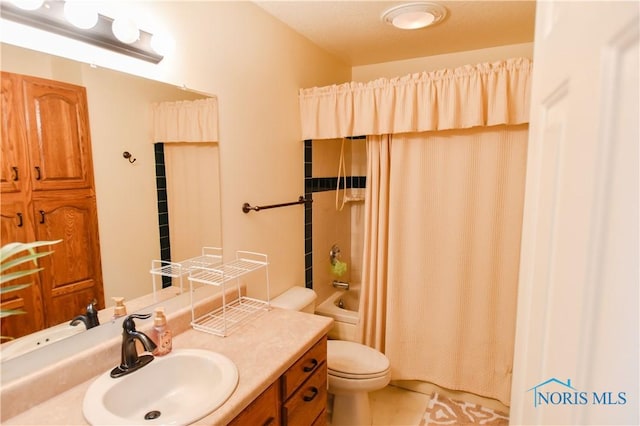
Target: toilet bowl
column 353, row 369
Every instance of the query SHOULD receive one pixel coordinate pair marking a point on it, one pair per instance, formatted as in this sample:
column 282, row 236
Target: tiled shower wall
column 163, row 209
column 324, row 224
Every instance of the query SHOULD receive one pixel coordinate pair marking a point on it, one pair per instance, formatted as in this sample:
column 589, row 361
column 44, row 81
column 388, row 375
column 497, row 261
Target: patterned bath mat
column 446, row 411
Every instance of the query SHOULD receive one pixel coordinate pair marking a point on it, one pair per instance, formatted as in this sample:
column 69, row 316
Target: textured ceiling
column 353, row 31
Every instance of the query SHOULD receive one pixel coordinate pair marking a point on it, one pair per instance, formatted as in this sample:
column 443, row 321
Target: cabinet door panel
column 58, row 135
column 14, row 166
column 15, row 226
column 72, row 275
column 263, row 411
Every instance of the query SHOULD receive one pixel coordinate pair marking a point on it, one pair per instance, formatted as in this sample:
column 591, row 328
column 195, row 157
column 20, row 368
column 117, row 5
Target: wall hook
column 128, row 156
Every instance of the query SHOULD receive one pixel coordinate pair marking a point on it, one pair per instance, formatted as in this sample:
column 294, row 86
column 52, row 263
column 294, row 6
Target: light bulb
column 80, row 14
column 28, row 4
column 162, row 43
column 125, row 30
column 413, row 20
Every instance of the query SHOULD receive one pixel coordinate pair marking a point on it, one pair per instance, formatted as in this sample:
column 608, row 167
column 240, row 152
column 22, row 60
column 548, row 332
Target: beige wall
column 366, row 73
column 255, row 65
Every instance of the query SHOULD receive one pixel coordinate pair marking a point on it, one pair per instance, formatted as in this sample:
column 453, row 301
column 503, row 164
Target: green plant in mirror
column 11, row 256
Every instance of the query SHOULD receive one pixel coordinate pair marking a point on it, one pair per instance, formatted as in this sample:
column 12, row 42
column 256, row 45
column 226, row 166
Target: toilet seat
column 352, row 360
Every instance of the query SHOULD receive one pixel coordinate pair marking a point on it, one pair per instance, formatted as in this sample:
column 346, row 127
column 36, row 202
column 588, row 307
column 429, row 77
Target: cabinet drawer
column 304, row 368
column 263, row 411
column 306, row 404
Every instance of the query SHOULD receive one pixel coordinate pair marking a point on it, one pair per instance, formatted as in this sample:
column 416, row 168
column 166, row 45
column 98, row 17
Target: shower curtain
column 443, row 212
column 189, row 131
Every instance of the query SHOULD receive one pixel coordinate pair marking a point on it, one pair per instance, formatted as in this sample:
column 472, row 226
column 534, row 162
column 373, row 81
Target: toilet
column 353, row 369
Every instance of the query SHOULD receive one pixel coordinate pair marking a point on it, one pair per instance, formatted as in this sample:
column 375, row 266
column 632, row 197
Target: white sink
column 177, row 389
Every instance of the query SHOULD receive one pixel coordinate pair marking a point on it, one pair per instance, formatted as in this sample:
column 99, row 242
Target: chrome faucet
column 90, row 318
column 341, row 284
column 130, row 361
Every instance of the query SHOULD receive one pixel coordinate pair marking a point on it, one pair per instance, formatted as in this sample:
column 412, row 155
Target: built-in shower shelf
column 210, row 257
column 231, row 314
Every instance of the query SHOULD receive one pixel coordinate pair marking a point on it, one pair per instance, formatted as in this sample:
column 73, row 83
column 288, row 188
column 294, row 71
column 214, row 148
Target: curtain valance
column 474, row 95
column 186, row 121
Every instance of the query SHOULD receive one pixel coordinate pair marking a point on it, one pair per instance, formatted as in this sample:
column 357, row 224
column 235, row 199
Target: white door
column 576, row 354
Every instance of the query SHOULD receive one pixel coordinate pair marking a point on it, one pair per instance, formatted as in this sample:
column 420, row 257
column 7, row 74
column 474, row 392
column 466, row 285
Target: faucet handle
column 129, row 325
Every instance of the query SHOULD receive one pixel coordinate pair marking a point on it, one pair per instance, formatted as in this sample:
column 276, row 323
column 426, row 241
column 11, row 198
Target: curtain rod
column 246, row 207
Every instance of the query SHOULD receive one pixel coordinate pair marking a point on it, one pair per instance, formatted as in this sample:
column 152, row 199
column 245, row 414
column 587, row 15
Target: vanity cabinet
column 263, row 411
column 298, row 398
column 46, row 179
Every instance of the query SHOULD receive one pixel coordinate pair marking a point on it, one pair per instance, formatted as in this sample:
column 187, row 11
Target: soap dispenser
column 161, row 333
column 120, row 309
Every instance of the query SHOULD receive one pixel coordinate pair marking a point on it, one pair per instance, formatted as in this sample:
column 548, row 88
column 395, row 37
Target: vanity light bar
column 50, row 17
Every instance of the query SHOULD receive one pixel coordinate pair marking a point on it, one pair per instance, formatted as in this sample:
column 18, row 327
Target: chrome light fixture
column 412, row 16
column 76, row 20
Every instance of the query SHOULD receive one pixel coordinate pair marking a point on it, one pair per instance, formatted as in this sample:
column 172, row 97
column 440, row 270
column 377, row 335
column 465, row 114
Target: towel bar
column 246, row 207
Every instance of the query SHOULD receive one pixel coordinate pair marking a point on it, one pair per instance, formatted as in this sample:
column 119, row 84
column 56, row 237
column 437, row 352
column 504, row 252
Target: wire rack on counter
column 210, row 257
column 231, row 314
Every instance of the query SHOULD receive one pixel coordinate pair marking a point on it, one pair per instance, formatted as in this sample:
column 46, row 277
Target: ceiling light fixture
column 412, row 16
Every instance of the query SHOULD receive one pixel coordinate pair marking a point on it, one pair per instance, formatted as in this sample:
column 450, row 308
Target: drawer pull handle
column 314, row 393
column 14, row 174
column 41, row 216
column 20, row 221
column 38, row 174
column 309, row 368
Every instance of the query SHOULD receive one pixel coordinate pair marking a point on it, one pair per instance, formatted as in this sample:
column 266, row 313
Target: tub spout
column 341, row 284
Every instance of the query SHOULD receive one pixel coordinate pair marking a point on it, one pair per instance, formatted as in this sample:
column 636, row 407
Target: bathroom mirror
column 127, row 199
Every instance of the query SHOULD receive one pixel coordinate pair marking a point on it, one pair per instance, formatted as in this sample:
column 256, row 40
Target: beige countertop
column 262, row 349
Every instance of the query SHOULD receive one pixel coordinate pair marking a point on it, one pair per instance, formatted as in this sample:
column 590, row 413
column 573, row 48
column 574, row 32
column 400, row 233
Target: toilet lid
column 353, row 360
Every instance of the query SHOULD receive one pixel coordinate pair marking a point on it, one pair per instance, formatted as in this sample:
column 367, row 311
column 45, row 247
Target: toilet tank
column 296, row 299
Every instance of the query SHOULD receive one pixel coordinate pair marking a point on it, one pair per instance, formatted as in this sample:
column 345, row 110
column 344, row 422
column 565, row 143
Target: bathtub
column 345, row 318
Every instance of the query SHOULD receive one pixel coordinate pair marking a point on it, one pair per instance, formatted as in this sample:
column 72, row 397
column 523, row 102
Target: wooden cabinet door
column 58, row 135
column 15, row 226
column 72, row 275
column 47, row 186
column 263, row 411
column 13, row 171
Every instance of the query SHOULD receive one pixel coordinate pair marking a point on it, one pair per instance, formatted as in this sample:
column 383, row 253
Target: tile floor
column 397, row 406
column 394, row 406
